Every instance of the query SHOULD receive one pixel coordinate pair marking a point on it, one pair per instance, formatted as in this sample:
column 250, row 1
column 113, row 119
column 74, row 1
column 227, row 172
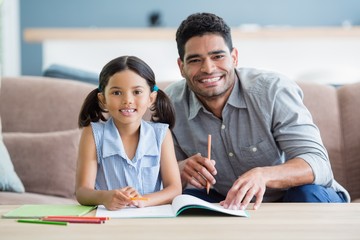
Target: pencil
column 139, row 199
column 41, row 222
column 209, row 157
column 75, row 220
column 77, row 217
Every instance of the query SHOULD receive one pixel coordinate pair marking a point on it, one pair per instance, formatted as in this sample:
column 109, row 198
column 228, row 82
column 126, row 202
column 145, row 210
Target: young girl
column 124, row 159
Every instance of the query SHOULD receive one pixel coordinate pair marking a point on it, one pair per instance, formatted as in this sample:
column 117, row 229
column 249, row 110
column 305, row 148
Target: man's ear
column 181, row 66
column 152, row 98
column 235, row 57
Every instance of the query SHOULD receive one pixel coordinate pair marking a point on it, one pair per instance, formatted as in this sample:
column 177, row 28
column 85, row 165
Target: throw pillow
column 46, row 162
column 9, row 180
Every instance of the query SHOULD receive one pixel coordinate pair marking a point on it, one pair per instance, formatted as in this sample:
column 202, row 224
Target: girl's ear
column 102, row 100
column 152, row 98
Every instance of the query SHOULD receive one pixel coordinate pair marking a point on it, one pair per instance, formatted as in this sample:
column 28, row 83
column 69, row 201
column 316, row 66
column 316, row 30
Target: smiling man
column 265, row 146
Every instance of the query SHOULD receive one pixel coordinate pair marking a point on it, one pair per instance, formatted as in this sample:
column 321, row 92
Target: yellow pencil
column 209, row 157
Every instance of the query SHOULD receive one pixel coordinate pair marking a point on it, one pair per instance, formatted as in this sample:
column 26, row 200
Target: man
column 265, row 146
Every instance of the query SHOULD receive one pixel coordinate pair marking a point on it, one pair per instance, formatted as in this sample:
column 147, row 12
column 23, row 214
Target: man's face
column 208, row 66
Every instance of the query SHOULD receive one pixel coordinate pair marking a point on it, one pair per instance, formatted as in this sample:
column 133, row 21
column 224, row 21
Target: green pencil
column 41, row 222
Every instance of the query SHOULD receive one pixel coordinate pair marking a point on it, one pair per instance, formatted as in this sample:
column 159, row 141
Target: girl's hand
column 120, row 198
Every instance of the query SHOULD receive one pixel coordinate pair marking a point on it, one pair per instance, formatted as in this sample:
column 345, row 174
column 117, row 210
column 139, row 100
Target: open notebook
column 179, row 205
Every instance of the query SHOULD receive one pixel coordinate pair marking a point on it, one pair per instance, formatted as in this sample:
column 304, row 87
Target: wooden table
column 271, row 221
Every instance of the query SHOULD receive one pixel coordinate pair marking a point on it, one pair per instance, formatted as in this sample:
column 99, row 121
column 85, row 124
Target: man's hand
column 196, row 170
column 250, row 184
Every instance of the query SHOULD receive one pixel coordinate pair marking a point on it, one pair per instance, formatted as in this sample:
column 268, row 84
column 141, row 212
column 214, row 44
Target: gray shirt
column 264, row 123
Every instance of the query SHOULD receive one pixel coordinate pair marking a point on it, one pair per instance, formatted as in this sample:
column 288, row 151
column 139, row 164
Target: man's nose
column 208, row 66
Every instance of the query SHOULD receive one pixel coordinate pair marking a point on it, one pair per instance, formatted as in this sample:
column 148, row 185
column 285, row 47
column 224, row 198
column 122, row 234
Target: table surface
column 270, row 221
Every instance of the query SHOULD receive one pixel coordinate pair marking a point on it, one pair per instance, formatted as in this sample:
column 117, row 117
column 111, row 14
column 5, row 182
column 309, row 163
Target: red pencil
column 79, row 217
column 76, row 219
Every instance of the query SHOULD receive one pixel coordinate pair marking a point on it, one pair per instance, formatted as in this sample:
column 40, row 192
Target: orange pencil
column 139, row 199
column 209, row 157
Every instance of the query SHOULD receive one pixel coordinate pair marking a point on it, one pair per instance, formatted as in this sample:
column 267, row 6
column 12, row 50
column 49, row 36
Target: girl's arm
column 169, row 173
column 86, row 176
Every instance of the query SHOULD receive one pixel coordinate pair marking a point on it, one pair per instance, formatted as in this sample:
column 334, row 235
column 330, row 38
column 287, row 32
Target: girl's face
column 127, row 97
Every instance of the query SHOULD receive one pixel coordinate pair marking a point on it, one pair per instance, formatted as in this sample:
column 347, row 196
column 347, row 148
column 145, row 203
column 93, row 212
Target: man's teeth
column 210, row 80
column 128, row 110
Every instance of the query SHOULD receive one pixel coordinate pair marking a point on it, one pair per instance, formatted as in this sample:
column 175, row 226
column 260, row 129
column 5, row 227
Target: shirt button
column 223, row 126
column 254, row 149
column 231, row 154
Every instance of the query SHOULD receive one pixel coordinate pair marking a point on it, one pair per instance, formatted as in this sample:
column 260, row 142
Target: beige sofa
column 39, row 118
column 39, row 125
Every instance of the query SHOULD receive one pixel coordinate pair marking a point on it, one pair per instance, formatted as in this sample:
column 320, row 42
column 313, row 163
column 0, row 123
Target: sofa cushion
column 45, row 162
column 9, row 180
column 44, row 104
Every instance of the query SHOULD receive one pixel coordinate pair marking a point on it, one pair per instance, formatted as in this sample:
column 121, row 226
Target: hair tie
column 99, row 88
column 155, row 88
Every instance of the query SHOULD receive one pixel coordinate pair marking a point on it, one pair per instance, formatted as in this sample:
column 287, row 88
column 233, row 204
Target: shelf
column 36, row 35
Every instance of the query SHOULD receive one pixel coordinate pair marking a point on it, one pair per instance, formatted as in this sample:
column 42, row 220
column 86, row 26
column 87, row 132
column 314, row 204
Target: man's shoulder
column 176, row 86
column 176, row 90
column 259, row 80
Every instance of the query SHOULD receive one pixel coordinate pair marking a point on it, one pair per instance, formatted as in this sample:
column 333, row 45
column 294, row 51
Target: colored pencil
column 78, row 217
column 139, row 199
column 209, row 157
column 74, row 220
column 41, row 222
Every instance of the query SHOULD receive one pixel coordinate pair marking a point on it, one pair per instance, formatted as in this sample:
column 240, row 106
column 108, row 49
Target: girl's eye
column 137, row 92
column 116, row 93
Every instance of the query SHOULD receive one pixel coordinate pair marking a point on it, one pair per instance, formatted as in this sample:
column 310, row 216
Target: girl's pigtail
column 91, row 111
column 163, row 110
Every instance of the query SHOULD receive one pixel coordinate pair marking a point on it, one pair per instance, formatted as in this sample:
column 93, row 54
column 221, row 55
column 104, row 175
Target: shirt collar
column 236, row 99
column 113, row 145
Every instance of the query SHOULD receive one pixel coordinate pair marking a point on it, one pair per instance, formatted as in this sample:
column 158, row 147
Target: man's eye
column 194, row 60
column 218, row 56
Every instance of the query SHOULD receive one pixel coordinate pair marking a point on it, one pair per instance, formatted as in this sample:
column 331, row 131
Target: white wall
column 10, row 34
column 317, row 59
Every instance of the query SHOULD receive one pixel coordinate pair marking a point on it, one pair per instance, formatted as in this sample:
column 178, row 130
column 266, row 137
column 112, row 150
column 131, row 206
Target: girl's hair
column 199, row 24
column 92, row 111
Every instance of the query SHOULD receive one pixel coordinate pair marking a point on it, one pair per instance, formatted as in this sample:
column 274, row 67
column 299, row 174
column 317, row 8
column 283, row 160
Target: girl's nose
column 127, row 98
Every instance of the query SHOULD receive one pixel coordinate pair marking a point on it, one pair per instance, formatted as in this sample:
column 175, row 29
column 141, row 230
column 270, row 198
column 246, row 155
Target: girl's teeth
column 128, row 110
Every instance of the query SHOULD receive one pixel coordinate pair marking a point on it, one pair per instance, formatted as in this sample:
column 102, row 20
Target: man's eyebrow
column 209, row 53
column 216, row 52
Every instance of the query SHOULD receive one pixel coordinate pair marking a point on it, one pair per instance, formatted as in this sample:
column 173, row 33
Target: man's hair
column 199, row 24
